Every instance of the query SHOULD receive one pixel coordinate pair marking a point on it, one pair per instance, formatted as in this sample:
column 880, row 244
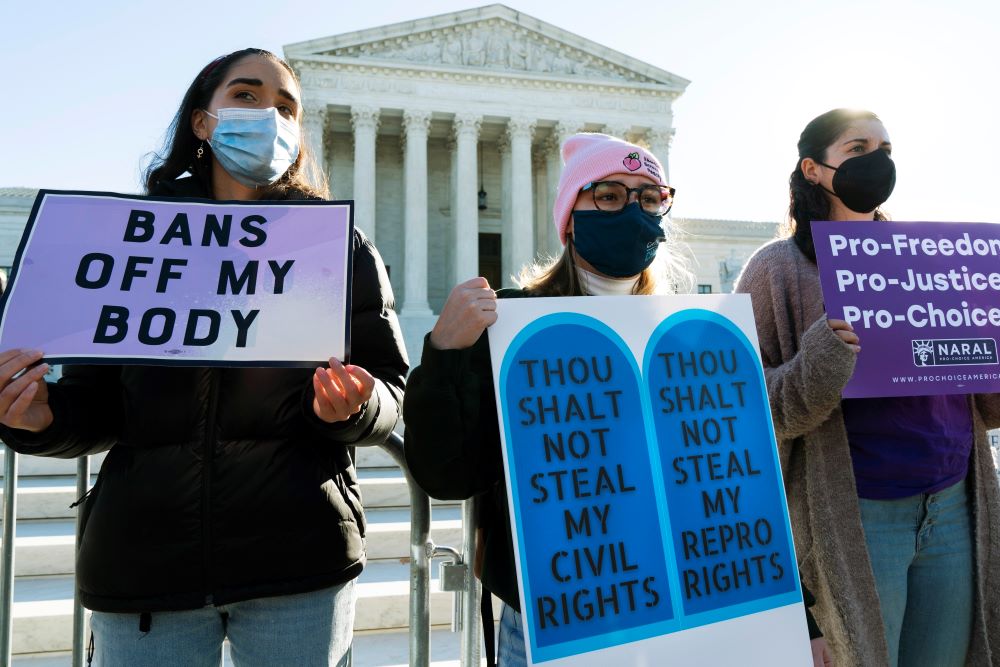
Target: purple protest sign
column 924, row 300
column 106, row 278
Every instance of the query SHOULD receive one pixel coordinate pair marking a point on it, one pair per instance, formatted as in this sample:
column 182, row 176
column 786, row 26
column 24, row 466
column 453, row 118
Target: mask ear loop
column 574, row 277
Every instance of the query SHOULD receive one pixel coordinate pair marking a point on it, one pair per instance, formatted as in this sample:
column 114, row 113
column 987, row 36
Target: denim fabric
column 511, row 643
column 294, row 630
column 921, row 554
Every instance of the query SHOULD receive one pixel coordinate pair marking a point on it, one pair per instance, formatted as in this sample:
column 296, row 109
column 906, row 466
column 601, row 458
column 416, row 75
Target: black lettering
column 228, row 280
column 191, row 332
column 178, row 229
column 167, row 273
column 257, row 234
column 243, row 324
column 280, row 271
column 139, row 228
column 146, row 336
column 112, row 317
column 216, row 229
column 107, row 265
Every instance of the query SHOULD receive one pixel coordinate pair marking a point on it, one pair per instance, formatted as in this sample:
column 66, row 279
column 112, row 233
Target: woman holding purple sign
column 228, row 505
column 894, row 501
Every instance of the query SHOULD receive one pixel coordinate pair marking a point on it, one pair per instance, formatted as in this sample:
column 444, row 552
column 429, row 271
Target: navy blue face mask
column 620, row 244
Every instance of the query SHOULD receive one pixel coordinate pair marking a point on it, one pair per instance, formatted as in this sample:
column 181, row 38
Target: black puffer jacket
column 221, row 484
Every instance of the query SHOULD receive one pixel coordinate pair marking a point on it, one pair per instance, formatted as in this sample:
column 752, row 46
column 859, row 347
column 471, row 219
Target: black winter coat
column 221, row 484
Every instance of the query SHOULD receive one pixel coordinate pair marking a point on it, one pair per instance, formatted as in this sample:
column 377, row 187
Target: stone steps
column 43, row 606
column 50, row 496
column 371, row 649
column 44, row 560
column 46, row 546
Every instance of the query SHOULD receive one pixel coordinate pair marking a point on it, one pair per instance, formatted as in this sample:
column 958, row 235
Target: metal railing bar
column 7, row 575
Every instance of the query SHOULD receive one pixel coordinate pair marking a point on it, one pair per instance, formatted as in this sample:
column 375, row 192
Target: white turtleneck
column 595, row 285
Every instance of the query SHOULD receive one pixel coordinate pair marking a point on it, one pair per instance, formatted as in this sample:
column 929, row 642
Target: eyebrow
column 863, row 140
column 257, row 82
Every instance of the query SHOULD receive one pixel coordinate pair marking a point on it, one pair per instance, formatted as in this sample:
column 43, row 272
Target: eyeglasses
column 612, row 196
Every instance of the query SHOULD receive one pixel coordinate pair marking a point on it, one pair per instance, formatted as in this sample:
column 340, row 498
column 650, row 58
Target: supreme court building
column 445, row 131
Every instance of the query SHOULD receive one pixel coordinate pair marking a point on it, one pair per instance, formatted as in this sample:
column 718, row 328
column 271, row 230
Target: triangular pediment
column 493, row 38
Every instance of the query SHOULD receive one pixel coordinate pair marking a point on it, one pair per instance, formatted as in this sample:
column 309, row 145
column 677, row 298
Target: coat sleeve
column 805, row 389
column 87, row 413
column 377, row 346
column 989, row 409
column 452, row 438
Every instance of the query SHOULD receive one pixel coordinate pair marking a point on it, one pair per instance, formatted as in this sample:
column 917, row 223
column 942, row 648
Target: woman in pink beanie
column 610, row 210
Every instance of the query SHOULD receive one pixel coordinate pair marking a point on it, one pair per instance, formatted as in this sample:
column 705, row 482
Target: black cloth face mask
column 864, row 182
column 619, row 244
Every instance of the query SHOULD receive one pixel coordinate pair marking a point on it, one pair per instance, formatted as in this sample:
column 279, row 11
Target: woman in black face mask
column 891, row 499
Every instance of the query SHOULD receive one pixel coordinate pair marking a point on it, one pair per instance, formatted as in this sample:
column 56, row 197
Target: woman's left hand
column 340, row 391
column 821, row 653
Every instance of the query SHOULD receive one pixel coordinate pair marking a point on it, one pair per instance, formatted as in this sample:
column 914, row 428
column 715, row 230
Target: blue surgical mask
column 618, row 244
column 254, row 146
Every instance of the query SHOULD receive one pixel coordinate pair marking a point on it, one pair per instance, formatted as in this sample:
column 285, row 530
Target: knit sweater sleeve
column 805, row 377
column 989, row 409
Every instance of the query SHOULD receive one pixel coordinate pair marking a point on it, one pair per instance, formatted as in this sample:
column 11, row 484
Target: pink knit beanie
column 589, row 157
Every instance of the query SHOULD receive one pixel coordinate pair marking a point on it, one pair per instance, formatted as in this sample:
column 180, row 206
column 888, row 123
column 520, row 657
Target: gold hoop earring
column 200, row 151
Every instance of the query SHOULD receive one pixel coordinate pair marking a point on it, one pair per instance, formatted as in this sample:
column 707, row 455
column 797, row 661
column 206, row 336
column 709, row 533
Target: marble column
column 465, row 203
column 415, row 128
column 553, row 167
column 659, row 140
column 365, row 121
column 619, row 130
column 314, row 119
column 506, row 205
column 540, row 191
column 522, row 247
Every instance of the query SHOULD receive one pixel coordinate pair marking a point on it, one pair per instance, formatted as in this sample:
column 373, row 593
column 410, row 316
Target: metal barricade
column 457, row 574
column 7, row 575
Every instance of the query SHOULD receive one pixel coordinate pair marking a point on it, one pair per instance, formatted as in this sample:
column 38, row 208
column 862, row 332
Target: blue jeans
column 295, row 630
column 921, row 554
column 511, row 643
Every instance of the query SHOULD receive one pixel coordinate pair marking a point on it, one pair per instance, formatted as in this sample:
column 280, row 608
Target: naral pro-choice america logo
column 954, row 352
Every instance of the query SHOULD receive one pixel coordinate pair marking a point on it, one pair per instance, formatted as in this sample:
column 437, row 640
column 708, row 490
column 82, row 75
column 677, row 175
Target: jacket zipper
column 208, row 451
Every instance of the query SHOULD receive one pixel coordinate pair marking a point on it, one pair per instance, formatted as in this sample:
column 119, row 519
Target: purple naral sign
column 105, row 278
column 924, row 299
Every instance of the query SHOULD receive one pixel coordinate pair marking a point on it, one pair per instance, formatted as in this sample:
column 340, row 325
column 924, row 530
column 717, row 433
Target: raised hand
column 340, row 390
column 24, row 399
column 470, row 308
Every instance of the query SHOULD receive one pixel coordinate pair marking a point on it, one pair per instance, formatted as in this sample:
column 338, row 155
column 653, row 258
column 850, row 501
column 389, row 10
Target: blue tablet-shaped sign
column 717, row 457
column 582, row 484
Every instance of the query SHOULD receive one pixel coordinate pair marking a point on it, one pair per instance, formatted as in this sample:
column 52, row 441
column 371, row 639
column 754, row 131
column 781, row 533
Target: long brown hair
column 808, row 201
column 179, row 152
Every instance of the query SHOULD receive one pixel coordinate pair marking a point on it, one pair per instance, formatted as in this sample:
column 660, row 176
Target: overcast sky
column 91, row 86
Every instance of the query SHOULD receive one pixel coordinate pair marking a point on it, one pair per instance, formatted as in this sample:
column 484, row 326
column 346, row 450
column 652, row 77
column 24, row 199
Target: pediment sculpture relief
column 492, row 46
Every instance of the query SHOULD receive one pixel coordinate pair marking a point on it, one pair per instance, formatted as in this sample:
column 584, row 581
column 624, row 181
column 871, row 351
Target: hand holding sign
column 846, row 333
column 24, row 400
column 340, row 391
column 470, row 308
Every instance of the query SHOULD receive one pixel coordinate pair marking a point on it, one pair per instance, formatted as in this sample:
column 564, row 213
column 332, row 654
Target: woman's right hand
column 846, row 333
column 470, row 308
column 24, row 400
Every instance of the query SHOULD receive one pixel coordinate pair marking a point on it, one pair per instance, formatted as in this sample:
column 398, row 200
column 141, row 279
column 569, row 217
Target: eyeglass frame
column 628, row 194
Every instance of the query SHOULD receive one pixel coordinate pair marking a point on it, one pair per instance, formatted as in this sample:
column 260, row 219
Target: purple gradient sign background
column 306, row 323
column 924, row 300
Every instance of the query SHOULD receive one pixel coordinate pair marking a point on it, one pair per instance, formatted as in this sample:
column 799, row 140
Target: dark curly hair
column 179, row 153
column 808, row 201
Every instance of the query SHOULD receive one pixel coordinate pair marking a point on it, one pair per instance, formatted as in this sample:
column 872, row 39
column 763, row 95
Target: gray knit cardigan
column 806, row 366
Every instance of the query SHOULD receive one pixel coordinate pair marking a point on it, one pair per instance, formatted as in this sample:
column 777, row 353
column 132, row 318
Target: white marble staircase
column 43, row 588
